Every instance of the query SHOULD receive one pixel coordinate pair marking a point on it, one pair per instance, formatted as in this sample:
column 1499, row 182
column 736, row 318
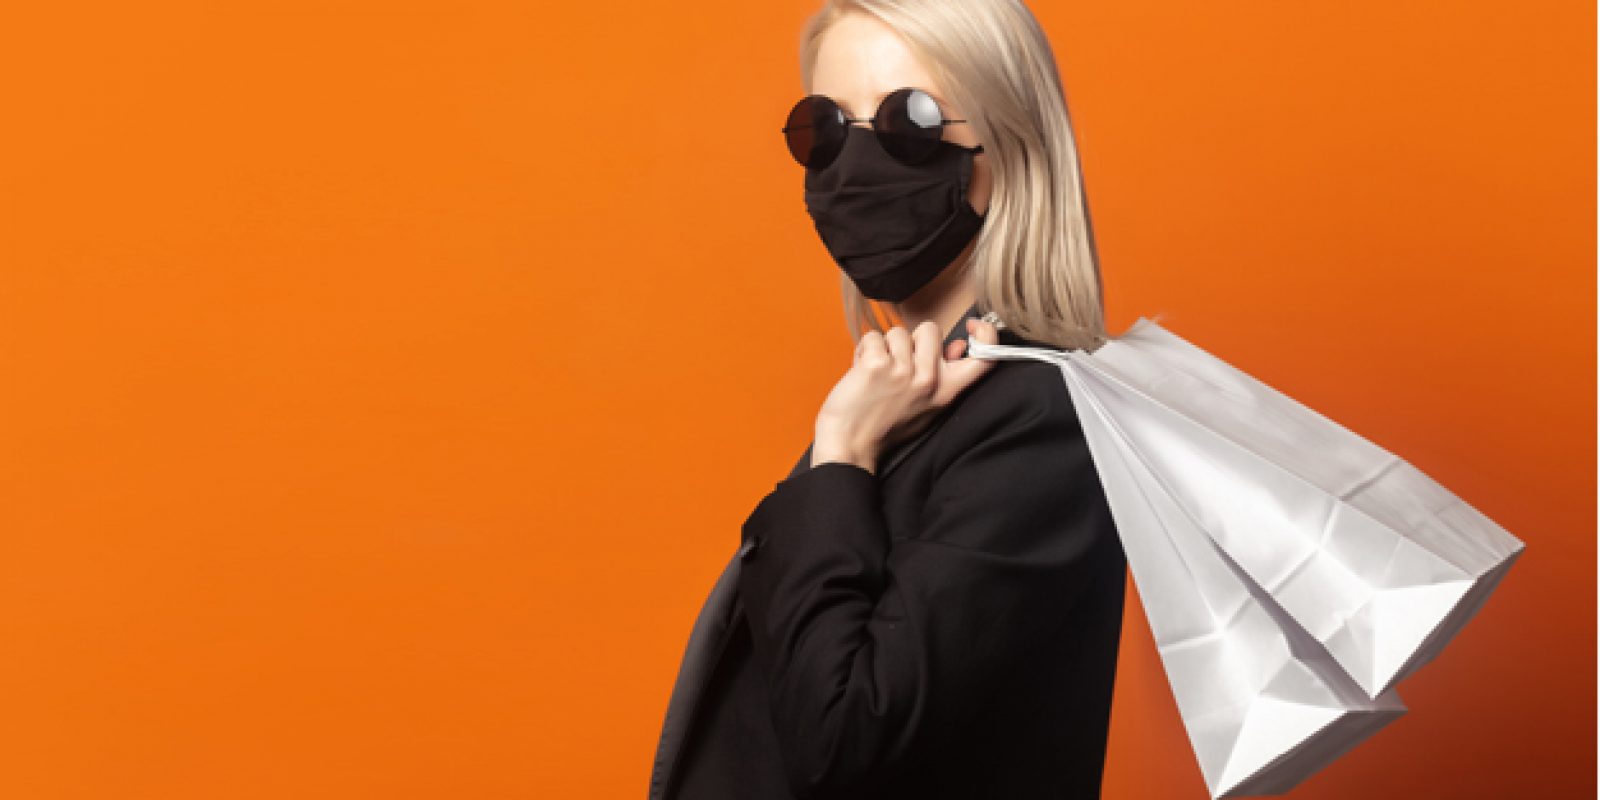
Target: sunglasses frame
column 879, row 128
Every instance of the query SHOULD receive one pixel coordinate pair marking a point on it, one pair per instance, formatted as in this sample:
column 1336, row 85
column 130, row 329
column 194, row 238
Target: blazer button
column 748, row 548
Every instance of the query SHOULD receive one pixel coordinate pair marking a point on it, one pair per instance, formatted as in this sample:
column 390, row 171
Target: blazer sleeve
column 876, row 651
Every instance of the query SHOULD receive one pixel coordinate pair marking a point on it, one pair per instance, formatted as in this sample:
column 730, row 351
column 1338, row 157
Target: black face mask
column 893, row 227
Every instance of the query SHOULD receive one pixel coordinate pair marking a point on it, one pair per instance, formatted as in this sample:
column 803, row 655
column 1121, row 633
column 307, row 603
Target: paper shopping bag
column 1377, row 562
column 1265, row 706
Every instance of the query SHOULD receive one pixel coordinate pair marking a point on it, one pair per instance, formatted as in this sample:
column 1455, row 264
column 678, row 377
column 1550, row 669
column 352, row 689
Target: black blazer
column 946, row 628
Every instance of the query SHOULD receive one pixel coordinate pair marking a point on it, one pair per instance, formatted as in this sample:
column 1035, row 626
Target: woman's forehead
column 861, row 60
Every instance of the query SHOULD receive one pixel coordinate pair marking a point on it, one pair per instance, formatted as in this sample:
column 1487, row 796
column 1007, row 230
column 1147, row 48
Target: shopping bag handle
column 1013, row 352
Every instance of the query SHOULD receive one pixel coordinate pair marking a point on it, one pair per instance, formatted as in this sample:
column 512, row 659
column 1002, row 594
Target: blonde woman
column 929, row 605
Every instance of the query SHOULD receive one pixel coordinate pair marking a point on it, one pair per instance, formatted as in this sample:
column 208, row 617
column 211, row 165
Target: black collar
column 959, row 331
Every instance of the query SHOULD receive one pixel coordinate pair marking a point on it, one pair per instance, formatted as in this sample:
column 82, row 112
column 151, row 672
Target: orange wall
column 385, row 383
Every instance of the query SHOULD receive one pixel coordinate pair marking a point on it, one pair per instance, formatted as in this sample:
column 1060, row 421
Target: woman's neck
column 944, row 300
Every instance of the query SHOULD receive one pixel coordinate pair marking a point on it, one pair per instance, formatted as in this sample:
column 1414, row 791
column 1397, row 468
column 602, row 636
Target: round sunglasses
column 908, row 123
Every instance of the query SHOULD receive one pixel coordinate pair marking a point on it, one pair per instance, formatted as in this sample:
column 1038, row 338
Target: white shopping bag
column 1264, row 706
column 1361, row 566
column 1376, row 560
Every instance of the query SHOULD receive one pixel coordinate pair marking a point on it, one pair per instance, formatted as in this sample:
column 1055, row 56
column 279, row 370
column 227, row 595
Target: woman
column 929, row 604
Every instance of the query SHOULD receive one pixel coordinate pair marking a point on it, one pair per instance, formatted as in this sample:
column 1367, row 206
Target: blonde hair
column 1034, row 263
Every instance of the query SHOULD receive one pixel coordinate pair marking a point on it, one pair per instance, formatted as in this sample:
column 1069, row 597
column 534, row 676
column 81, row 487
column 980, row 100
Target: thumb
column 956, row 374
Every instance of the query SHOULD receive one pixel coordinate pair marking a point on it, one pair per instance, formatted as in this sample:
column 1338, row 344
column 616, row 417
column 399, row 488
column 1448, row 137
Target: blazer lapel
column 709, row 636
column 706, row 641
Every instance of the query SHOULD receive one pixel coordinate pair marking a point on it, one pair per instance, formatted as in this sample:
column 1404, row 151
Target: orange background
column 385, row 383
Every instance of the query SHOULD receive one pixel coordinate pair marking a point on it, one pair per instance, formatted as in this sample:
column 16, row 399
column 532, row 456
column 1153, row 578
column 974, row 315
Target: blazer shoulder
column 1012, row 398
column 1012, row 473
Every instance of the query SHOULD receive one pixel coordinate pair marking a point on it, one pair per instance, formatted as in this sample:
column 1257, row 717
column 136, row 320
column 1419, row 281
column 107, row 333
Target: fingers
column 914, row 358
column 954, row 350
column 898, row 341
column 983, row 331
column 926, row 340
column 870, row 347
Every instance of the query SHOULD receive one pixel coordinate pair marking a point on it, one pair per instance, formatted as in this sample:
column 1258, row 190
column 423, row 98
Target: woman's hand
column 897, row 384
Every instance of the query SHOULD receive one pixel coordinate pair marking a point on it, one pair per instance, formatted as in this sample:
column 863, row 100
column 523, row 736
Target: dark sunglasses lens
column 910, row 125
column 814, row 131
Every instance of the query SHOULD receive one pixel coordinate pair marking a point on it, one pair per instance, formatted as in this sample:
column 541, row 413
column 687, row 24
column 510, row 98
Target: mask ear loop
column 975, row 150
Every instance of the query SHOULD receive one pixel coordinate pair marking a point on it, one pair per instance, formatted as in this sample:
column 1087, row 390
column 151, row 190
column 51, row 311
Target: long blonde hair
column 1034, row 262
